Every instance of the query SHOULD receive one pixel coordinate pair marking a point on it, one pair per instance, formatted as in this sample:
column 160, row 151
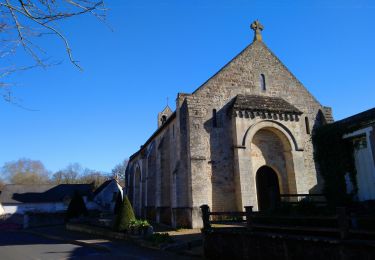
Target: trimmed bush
column 139, row 224
column 125, row 216
column 76, row 207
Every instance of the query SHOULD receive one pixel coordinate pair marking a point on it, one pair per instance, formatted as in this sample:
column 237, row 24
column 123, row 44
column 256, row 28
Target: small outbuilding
column 360, row 131
column 19, row 199
column 106, row 195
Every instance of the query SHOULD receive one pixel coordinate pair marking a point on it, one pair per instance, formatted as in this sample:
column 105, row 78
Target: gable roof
column 248, row 51
column 166, row 110
column 14, row 194
column 263, row 104
column 358, row 121
column 102, row 187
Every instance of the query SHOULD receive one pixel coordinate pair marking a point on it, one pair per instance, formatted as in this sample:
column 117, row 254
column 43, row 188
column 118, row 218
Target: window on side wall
column 214, row 118
column 262, row 79
column 307, row 125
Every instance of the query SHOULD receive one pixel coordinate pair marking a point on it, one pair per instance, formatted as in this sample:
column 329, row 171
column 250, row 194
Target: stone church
column 241, row 139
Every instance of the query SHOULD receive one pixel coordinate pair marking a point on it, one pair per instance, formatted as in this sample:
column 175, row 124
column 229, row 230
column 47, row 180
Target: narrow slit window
column 263, row 86
column 214, row 118
column 307, row 124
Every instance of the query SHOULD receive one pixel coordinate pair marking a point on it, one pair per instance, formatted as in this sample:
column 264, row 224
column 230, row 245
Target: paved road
column 19, row 245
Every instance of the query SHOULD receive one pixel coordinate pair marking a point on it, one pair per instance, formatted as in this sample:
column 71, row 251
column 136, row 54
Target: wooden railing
column 339, row 222
column 318, row 199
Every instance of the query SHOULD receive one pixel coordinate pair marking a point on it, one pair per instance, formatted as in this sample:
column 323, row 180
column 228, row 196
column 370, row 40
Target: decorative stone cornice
column 252, row 106
column 251, row 114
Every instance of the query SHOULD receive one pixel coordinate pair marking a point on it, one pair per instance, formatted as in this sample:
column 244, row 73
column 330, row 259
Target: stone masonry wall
column 165, row 171
column 240, row 76
column 199, row 155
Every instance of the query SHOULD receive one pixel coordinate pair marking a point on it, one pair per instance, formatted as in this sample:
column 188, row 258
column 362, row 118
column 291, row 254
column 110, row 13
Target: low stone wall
column 242, row 244
column 11, row 221
column 95, row 231
column 30, row 220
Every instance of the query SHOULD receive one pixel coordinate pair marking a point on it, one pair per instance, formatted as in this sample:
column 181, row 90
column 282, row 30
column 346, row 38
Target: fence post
column 343, row 223
column 206, row 216
column 249, row 212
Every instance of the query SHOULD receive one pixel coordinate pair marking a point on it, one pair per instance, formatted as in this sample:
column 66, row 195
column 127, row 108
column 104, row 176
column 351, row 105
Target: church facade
column 241, row 139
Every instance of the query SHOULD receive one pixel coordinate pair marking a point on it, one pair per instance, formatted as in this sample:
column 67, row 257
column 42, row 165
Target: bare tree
column 2, row 184
column 94, row 177
column 58, row 177
column 74, row 173
column 118, row 172
column 69, row 175
column 25, row 171
column 23, row 21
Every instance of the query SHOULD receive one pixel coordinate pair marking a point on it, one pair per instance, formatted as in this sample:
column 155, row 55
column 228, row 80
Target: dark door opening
column 268, row 190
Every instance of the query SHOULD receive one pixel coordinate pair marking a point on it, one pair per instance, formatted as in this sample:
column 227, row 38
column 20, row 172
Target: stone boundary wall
column 242, row 244
column 42, row 219
column 95, row 231
column 8, row 220
column 30, row 220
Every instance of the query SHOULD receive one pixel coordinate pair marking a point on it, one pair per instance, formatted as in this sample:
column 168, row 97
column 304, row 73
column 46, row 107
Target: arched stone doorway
column 268, row 190
column 272, row 159
column 272, row 144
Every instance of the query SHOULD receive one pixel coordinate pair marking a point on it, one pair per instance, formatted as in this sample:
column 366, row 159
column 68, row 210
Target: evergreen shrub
column 125, row 216
column 76, row 207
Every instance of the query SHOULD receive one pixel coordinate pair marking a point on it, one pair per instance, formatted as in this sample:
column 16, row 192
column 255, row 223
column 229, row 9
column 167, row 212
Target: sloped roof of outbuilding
column 263, row 104
column 102, row 187
column 359, row 120
column 13, row 193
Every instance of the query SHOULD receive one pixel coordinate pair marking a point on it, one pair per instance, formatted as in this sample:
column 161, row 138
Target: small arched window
column 307, row 124
column 163, row 119
column 262, row 79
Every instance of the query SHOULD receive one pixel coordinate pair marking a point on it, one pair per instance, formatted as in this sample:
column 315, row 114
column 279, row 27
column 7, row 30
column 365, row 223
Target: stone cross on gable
column 258, row 28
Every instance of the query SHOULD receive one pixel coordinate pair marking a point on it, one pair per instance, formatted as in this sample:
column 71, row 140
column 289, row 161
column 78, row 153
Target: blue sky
column 102, row 115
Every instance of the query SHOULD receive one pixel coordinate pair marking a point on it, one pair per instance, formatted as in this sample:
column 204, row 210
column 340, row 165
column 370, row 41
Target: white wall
column 106, row 198
column 34, row 207
column 364, row 163
column 1, row 210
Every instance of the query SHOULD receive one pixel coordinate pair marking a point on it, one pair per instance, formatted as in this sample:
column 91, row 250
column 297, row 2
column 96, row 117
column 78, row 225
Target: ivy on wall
column 335, row 158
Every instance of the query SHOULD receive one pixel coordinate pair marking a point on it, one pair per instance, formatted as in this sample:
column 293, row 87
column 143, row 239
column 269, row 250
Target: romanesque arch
column 165, row 210
column 271, row 156
column 130, row 187
column 151, row 184
column 137, row 191
column 278, row 128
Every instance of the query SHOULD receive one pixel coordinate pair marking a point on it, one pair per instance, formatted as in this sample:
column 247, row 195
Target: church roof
column 263, row 104
column 149, row 140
